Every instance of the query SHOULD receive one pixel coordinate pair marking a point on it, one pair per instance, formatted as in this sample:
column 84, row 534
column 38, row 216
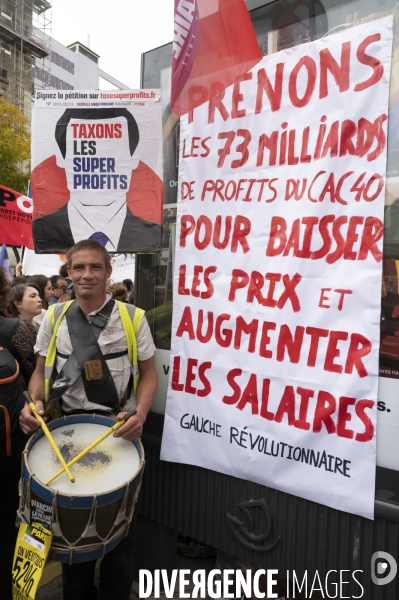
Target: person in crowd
column 63, row 271
column 64, row 298
column 118, row 292
column 18, row 269
column 89, row 268
column 45, row 288
column 25, row 303
column 128, row 283
column 15, row 338
column 59, row 287
column 14, row 334
column 18, row 279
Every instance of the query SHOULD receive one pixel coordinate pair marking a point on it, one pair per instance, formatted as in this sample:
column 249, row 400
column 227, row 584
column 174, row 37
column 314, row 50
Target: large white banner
column 277, row 288
column 97, row 169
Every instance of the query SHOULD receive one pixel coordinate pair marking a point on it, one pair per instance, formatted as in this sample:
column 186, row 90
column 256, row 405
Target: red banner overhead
column 214, row 43
column 15, row 218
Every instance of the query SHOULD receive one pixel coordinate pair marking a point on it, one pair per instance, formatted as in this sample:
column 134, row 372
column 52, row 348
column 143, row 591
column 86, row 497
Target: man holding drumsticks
column 107, row 387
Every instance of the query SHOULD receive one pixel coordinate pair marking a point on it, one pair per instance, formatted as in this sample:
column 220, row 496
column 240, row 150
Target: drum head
column 108, row 466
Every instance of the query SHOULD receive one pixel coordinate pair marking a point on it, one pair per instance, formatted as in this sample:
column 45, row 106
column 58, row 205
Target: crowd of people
column 24, row 303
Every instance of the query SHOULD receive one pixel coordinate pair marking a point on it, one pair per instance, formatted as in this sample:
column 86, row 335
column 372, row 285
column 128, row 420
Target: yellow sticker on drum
column 31, row 551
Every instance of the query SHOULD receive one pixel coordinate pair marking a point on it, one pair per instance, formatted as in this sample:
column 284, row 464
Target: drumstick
column 92, row 445
column 48, row 435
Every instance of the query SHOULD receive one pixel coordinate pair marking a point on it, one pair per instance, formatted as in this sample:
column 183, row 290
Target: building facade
column 72, row 67
column 25, row 27
column 30, row 59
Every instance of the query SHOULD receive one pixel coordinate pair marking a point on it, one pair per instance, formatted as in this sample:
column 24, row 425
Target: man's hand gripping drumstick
column 48, row 435
column 29, row 424
column 92, row 445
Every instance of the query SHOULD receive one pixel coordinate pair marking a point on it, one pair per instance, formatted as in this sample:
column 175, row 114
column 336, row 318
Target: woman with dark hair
column 25, row 303
column 18, row 280
column 45, row 289
column 15, row 336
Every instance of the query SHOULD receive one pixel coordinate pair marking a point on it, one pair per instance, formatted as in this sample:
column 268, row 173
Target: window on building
column 5, row 15
column 62, row 62
column 88, row 54
column 6, row 48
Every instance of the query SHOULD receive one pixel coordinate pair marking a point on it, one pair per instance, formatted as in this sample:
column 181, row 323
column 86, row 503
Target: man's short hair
column 55, row 279
column 89, row 245
column 95, row 114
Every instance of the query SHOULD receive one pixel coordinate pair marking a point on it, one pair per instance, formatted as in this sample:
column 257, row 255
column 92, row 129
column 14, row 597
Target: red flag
column 214, row 42
column 15, row 218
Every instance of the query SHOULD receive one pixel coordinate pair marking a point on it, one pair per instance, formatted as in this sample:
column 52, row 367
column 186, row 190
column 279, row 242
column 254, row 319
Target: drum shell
column 73, row 511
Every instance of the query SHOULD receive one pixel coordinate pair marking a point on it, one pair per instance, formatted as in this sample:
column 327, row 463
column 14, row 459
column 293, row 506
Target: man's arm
column 146, row 389
column 27, row 421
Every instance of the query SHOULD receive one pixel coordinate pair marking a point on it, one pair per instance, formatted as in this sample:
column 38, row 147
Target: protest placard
column 97, row 169
column 15, row 218
column 277, row 291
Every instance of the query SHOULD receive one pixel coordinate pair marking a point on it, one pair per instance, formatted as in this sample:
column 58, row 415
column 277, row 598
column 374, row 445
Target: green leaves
column 14, row 148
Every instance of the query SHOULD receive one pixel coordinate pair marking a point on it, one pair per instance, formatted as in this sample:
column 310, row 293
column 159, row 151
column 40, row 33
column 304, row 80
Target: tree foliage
column 14, row 148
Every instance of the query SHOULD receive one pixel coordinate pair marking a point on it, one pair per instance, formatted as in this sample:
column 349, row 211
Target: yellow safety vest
column 131, row 317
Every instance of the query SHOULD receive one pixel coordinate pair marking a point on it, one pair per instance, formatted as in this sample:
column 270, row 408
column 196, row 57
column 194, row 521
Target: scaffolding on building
column 25, row 41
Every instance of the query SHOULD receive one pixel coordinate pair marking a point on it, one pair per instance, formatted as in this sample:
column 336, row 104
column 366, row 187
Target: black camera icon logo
column 383, row 568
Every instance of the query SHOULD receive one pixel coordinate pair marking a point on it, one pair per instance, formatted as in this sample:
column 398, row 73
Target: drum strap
column 87, row 359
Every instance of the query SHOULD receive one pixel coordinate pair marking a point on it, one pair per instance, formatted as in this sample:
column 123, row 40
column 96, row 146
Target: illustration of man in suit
column 96, row 186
